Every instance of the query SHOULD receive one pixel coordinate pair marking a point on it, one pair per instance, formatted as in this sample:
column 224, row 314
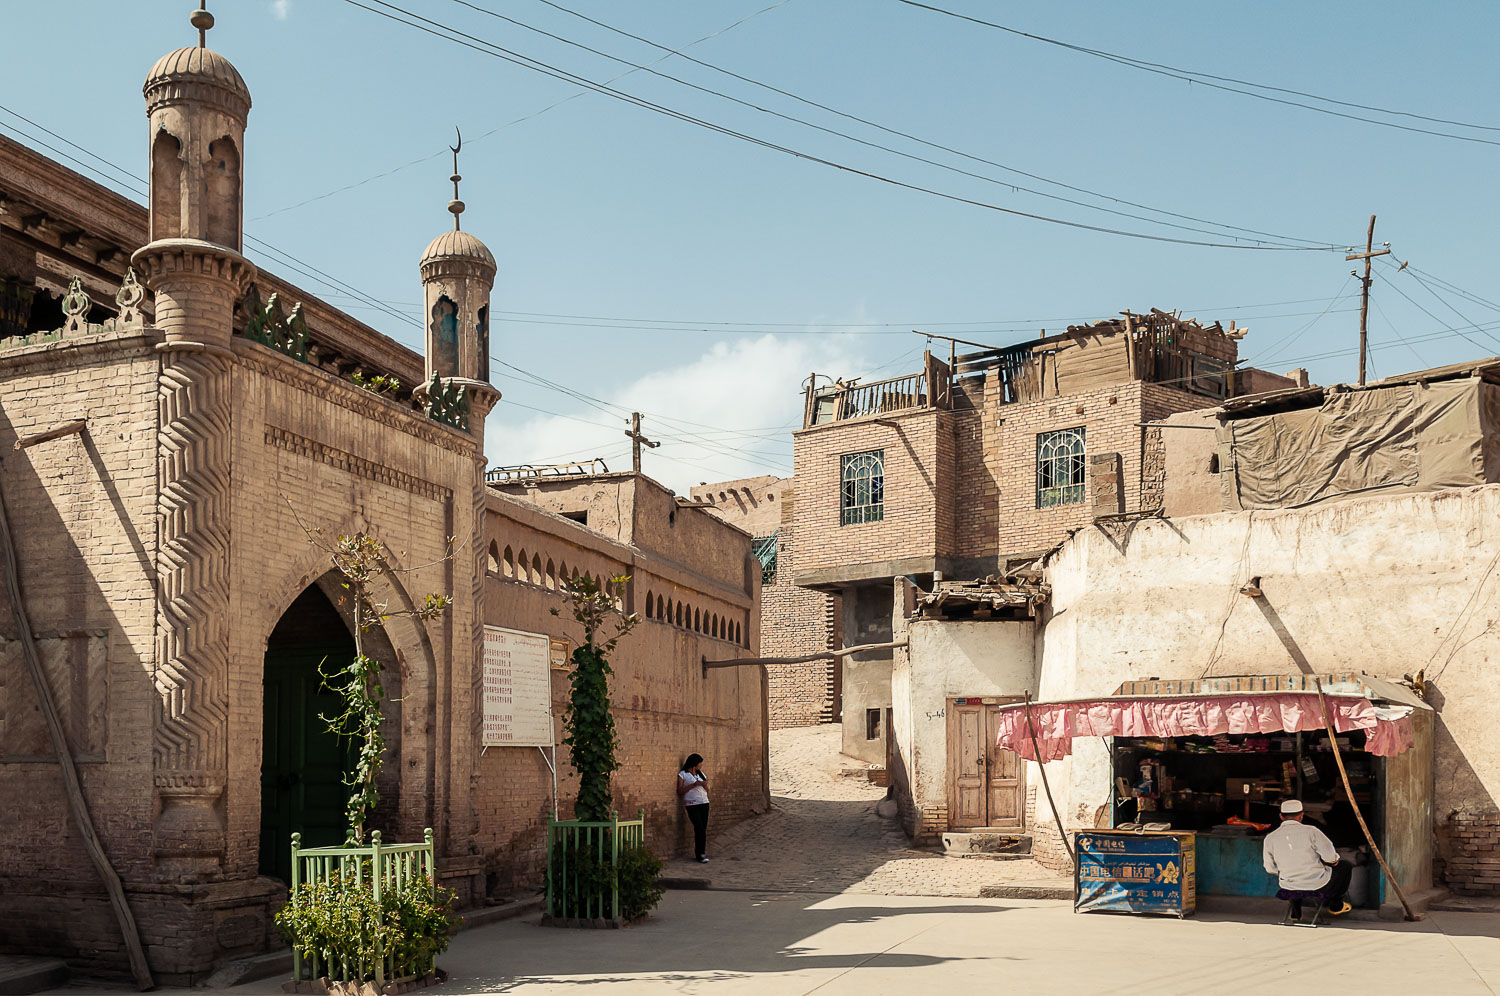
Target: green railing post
column 551, row 908
column 296, row 883
column 375, row 887
column 614, row 864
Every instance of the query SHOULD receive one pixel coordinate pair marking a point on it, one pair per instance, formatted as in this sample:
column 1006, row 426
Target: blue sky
column 601, row 209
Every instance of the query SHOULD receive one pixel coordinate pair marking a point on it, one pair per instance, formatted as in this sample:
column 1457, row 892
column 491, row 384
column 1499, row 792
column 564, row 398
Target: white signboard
column 517, row 689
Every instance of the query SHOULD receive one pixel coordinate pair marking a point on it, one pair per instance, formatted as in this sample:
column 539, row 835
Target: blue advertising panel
column 1128, row 872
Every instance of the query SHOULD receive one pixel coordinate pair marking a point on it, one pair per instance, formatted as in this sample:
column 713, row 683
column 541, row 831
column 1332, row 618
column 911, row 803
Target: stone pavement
column 791, row 944
column 823, row 835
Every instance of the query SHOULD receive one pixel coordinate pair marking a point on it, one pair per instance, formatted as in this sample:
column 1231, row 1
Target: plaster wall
column 956, row 659
column 1385, row 585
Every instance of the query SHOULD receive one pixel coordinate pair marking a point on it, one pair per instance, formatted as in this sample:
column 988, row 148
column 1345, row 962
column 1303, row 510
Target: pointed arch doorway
column 303, row 764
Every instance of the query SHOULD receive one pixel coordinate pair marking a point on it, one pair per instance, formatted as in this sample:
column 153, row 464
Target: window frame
column 862, row 483
column 1052, row 461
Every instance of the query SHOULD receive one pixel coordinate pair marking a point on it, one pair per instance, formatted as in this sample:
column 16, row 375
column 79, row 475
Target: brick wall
column 919, row 455
column 797, row 621
column 665, row 705
column 1470, row 843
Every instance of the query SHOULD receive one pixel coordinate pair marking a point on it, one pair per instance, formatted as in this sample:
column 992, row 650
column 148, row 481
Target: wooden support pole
column 1338, row 759
column 1072, row 856
column 42, row 437
column 1364, row 292
column 826, row 655
column 76, row 801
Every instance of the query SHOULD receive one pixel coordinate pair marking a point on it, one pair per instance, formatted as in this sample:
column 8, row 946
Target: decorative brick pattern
column 1471, row 842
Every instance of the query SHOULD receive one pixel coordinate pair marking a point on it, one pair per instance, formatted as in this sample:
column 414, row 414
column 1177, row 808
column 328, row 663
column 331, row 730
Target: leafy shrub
column 340, row 923
column 639, row 891
column 586, row 890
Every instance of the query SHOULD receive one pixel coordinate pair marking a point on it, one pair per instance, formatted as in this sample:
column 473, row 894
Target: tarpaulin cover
column 1408, row 437
column 1057, row 723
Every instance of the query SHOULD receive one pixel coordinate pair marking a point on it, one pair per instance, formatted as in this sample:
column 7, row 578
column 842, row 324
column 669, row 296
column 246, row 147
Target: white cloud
column 280, row 9
column 727, row 413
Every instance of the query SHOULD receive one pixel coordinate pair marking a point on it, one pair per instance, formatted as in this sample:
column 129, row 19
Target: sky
column 655, row 264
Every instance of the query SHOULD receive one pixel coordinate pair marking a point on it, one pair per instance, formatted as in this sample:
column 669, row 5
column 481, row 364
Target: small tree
column 363, row 560
column 589, row 724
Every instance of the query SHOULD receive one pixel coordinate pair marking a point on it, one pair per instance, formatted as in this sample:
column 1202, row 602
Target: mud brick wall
column 1470, row 842
column 794, row 622
column 665, row 705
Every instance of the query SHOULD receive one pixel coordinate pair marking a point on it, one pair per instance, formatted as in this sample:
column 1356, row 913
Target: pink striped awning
column 1387, row 728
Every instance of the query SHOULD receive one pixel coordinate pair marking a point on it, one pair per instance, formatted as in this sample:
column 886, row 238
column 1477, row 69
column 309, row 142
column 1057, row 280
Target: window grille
column 764, row 548
column 863, row 487
column 1061, row 471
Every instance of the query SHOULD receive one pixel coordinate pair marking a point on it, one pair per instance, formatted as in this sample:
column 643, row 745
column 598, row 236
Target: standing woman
column 692, row 787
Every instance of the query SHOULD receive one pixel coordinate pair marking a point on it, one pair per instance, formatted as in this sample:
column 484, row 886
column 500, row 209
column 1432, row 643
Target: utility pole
column 637, row 440
column 1364, row 296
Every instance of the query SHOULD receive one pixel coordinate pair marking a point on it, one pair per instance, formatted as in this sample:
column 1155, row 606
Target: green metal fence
column 384, row 867
column 582, row 863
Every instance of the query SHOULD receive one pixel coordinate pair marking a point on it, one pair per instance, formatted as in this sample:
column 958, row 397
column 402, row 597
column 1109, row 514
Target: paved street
column 772, row 944
column 823, row 836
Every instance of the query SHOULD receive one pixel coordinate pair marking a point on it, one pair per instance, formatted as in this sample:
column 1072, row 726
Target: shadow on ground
column 682, row 942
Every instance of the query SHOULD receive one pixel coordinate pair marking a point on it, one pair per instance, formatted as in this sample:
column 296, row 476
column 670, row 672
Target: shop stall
column 1212, row 759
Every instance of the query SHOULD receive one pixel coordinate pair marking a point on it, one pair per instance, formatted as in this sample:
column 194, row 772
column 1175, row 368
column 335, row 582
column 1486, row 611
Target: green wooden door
column 302, row 763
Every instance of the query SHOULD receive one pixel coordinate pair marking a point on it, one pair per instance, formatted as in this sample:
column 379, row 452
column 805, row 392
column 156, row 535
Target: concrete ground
column 823, row 835
column 824, row 896
column 778, row 944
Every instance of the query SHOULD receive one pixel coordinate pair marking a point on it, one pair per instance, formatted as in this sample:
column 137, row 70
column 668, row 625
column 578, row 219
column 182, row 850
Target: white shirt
column 1295, row 852
column 697, row 795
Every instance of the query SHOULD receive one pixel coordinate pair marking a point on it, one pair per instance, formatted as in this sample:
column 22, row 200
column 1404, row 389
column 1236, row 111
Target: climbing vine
column 363, row 560
column 589, row 724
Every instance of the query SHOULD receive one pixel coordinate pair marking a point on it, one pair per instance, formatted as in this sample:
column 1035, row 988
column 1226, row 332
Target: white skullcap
column 1291, row 806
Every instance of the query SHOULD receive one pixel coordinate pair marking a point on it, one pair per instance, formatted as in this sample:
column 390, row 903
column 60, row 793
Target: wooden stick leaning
column 1338, row 759
column 826, row 655
column 76, row 801
column 1046, row 785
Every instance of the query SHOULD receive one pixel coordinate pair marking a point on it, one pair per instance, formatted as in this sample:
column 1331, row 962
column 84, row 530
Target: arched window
column 523, row 572
column 444, row 337
column 536, row 568
column 649, row 606
column 222, row 214
column 658, row 608
column 679, row 613
column 482, row 326
column 508, row 566
column 697, row 622
column 166, row 186
column 562, row 575
column 551, row 575
column 494, row 562
column 1061, row 470
column 862, row 492
column 713, row 627
column 737, row 637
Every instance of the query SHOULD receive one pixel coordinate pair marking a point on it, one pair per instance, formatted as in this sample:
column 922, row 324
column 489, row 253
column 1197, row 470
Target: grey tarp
column 1406, row 437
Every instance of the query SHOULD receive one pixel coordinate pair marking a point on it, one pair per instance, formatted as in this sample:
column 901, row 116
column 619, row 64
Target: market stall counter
column 1200, row 768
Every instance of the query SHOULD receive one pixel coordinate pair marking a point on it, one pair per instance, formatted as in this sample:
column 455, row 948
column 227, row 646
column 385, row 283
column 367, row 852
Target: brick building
column 795, row 620
column 962, row 471
column 178, row 426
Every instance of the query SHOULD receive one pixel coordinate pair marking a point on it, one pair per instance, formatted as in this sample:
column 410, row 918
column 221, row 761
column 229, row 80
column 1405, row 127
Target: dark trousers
column 1333, row 892
column 699, row 815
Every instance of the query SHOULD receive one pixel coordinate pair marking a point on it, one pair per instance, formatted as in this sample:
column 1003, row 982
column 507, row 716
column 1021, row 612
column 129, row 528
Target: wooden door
column 303, row 764
column 1005, row 795
column 967, row 805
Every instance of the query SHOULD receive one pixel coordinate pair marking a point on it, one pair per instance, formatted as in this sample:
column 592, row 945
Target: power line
column 492, row 50
column 1208, row 80
column 328, row 279
column 812, row 103
column 498, row 128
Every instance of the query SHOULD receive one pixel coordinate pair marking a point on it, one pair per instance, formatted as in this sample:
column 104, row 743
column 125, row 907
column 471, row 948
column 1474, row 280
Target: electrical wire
column 1221, row 83
column 498, row 128
column 874, row 145
column 473, row 42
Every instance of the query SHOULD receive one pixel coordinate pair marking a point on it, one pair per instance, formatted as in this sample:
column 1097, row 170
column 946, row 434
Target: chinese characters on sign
column 517, row 689
column 1151, row 873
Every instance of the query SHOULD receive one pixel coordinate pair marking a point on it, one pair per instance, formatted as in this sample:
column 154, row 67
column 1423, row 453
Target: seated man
column 1303, row 859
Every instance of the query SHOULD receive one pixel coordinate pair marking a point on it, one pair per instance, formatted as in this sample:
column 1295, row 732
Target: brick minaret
column 458, row 273
column 198, row 105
